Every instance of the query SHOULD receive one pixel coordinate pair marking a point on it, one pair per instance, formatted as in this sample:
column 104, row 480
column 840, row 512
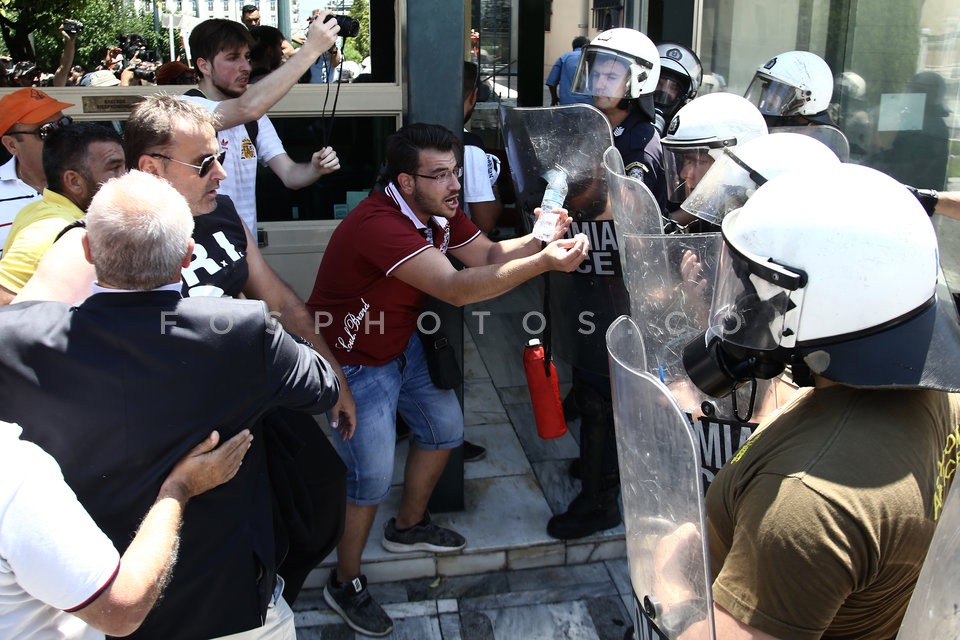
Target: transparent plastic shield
column 574, row 137
column 663, row 507
column 670, row 281
column 635, row 210
column 829, row 136
column 934, row 610
column 725, row 188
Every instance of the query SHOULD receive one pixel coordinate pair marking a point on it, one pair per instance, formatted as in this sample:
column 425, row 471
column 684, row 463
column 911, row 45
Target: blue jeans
column 402, row 385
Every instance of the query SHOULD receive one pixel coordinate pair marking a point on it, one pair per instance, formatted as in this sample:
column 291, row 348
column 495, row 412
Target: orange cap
column 29, row 106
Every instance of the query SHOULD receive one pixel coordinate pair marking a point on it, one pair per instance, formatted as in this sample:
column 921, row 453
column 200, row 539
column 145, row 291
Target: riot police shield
column 830, row 136
column 670, row 282
column 634, row 209
column 582, row 304
column 663, row 508
column 572, row 137
column 934, row 610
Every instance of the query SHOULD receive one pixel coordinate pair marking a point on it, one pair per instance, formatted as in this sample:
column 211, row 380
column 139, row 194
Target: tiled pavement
column 512, row 581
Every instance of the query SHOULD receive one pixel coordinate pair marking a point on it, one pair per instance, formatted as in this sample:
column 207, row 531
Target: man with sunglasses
column 221, row 57
column 26, row 118
column 77, row 160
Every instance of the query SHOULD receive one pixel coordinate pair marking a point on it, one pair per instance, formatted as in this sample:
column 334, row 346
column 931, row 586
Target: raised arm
column 259, row 97
column 66, row 58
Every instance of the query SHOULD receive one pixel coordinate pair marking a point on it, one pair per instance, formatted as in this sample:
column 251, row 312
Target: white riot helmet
column 834, row 271
column 698, row 134
column 738, row 173
column 792, row 83
column 638, row 58
column 680, row 77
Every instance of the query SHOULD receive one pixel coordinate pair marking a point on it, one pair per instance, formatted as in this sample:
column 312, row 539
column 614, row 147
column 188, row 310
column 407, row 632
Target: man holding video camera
column 220, row 50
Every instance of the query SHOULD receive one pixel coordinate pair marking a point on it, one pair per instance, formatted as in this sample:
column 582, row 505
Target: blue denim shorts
column 402, row 385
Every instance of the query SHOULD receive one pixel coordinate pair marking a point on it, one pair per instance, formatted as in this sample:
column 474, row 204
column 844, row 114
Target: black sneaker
column 472, row 452
column 424, row 536
column 356, row 606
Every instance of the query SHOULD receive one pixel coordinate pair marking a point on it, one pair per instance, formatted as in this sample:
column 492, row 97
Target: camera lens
column 349, row 28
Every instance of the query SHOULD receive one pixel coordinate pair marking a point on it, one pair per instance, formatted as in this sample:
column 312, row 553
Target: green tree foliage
column 358, row 48
column 104, row 21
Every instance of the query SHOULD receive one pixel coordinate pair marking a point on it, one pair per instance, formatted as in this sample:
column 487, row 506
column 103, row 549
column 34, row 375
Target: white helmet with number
column 792, row 83
column 739, row 172
column 698, row 134
column 681, row 66
column 633, row 50
column 834, row 271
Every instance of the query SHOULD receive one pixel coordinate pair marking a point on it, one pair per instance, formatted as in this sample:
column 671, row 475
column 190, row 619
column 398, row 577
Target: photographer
column 69, row 31
column 25, row 74
column 327, row 67
column 220, row 49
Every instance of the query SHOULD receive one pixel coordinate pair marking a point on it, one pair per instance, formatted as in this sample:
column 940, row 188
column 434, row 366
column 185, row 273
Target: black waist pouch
column 442, row 362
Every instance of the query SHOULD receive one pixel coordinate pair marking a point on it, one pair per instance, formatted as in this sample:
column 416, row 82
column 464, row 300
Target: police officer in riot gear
column 697, row 137
column 620, row 69
column 680, row 77
column 793, row 89
column 819, row 526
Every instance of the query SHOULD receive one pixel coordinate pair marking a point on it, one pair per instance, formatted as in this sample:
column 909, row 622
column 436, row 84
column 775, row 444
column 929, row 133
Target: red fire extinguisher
column 544, row 391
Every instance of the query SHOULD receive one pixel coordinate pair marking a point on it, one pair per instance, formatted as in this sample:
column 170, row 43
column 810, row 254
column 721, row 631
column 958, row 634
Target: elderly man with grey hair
column 140, row 374
column 176, row 140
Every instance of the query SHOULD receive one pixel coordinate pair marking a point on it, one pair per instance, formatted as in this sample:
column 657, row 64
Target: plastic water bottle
column 553, row 197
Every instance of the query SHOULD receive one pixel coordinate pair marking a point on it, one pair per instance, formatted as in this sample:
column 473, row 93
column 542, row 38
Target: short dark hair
column 403, row 147
column 580, row 42
column 471, row 73
column 152, row 122
column 65, row 149
column 212, row 36
column 248, row 9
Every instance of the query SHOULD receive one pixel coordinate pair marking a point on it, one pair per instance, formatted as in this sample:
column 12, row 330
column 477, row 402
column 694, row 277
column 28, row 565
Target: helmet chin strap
column 750, row 406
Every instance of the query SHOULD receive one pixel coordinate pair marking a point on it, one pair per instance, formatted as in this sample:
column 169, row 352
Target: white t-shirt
column 477, row 179
column 240, row 162
column 53, row 557
column 15, row 194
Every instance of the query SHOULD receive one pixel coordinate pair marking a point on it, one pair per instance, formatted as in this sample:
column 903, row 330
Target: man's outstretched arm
column 146, row 565
column 264, row 284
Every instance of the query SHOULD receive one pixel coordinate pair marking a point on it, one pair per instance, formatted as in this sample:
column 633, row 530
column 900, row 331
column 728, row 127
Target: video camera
column 146, row 71
column 72, row 27
column 349, row 28
column 133, row 45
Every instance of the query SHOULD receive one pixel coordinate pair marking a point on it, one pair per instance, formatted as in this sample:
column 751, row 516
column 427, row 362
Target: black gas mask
column 749, row 337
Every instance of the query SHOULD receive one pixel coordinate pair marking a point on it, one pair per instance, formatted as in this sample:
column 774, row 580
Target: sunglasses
column 45, row 130
column 203, row 168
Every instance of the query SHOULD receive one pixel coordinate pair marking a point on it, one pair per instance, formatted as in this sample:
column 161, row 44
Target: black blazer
column 118, row 388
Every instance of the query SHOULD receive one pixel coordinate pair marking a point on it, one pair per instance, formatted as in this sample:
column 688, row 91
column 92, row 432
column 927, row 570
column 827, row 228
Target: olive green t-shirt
column 819, row 525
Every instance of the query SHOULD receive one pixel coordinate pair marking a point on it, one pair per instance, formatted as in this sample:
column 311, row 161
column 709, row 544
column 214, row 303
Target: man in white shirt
column 221, row 57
